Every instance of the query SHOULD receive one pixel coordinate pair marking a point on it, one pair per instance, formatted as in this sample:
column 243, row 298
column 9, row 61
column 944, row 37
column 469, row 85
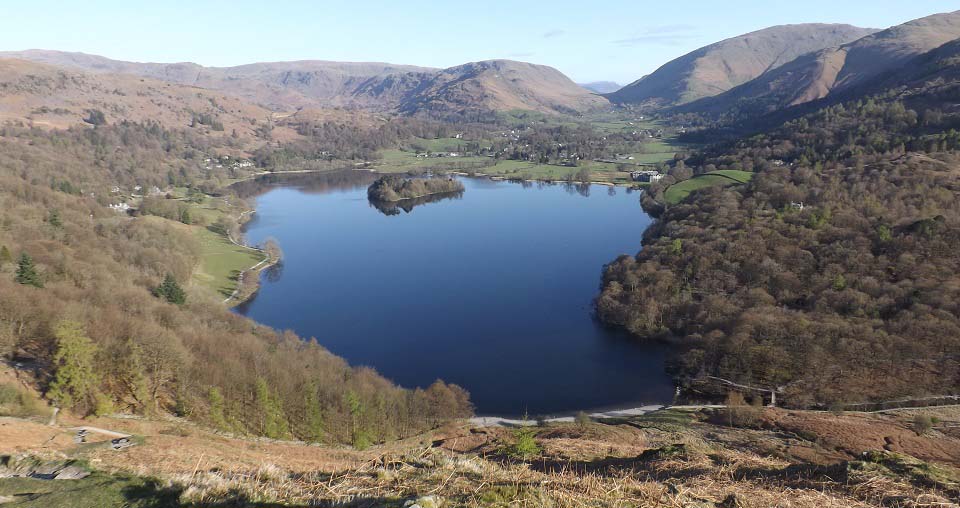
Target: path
column 252, row 268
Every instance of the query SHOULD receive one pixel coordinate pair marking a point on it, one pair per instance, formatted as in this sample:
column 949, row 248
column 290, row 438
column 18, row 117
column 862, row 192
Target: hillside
column 689, row 457
column 281, row 86
column 819, row 74
column 494, row 85
column 498, row 85
column 852, row 208
column 716, row 68
column 50, row 97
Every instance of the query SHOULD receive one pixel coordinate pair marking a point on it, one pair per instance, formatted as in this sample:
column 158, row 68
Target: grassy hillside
column 721, row 66
column 832, row 70
column 715, row 458
column 678, row 192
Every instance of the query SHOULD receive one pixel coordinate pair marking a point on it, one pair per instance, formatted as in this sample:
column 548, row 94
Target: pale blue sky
column 601, row 40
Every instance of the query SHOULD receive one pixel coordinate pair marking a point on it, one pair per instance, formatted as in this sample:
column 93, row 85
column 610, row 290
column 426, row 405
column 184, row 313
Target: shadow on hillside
column 646, row 462
column 154, row 494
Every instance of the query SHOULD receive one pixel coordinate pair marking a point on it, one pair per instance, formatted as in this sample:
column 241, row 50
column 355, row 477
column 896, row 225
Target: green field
column 399, row 161
column 438, row 144
column 221, row 261
column 677, row 193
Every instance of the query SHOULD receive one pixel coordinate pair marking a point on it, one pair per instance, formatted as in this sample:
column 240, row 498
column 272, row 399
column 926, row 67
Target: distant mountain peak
column 601, row 87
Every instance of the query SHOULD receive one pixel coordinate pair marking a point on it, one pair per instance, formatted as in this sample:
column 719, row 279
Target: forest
column 832, row 275
column 92, row 303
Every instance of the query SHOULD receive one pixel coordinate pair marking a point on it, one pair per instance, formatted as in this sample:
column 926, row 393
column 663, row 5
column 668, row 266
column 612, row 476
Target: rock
column 423, row 502
column 71, row 473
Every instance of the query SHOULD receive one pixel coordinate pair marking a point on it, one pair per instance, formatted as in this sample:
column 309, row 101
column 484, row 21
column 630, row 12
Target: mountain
column 716, row 68
column 828, row 71
column 285, row 86
column 54, row 97
column 280, row 86
column 494, row 85
column 601, row 86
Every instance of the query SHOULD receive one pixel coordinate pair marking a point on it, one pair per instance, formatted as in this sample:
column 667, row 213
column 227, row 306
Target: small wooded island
column 393, row 188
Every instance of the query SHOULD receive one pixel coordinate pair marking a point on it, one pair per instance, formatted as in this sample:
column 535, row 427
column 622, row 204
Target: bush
column 525, row 446
column 17, row 402
column 582, row 419
column 922, row 424
column 739, row 413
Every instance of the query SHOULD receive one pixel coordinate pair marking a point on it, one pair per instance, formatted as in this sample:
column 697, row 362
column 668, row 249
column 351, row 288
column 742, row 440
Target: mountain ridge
column 818, row 74
column 718, row 67
column 284, row 86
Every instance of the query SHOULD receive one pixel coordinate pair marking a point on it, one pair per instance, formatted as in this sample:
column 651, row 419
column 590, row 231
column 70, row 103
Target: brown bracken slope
column 721, row 66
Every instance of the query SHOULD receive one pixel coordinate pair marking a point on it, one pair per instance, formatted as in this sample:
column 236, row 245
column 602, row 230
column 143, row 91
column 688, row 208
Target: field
column 399, row 161
column 677, row 193
column 221, row 261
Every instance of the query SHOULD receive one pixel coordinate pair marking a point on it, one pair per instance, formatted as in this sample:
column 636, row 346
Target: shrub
column 582, row 419
column 525, row 446
column 922, row 424
column 17, row 402
column 739, row 413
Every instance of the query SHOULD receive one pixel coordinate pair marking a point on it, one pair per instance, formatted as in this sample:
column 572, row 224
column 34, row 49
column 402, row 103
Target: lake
column 490, row 289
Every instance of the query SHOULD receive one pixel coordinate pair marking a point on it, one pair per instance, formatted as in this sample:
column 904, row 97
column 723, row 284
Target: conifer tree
column 27, row 273
column 171, row 291
column 313, row 420
column 273, row 423
column 217, row 409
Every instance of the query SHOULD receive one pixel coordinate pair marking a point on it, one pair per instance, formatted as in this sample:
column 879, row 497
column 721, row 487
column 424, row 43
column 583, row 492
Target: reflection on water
column 407, row 205
column 490, row 289
column 311, row 183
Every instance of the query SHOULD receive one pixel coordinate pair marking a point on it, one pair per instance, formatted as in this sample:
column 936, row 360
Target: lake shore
column 612, row 414
column 248, row 281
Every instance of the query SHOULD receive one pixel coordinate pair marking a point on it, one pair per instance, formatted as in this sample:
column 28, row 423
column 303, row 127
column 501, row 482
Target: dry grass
column 631, row 464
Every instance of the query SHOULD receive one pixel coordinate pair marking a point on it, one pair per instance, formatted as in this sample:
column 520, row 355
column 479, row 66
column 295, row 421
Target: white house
column 646, row 176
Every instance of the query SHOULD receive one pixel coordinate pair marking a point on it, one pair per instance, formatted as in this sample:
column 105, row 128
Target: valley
column 730, row 283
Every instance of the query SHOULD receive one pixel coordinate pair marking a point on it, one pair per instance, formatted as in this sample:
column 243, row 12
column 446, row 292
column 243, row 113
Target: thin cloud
column 554, row 33
column 664, row 35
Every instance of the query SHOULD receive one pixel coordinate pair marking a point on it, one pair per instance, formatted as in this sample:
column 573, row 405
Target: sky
column 618, row 40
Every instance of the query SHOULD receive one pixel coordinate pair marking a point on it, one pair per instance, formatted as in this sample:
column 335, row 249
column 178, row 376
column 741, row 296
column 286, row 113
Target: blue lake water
column 491, row 290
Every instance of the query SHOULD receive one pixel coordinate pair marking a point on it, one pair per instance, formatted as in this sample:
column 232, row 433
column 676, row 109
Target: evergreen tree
column 313, row 420
column 273, row 423
column 359, row 435
column 171, row 291
column 27, row 273
column 217, row 406
column 74, row 382
column 54, row 219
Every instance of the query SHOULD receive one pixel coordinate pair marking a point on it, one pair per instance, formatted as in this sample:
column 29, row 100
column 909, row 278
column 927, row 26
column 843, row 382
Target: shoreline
column 611, row 414
column 387, row 201
column 245, row 289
